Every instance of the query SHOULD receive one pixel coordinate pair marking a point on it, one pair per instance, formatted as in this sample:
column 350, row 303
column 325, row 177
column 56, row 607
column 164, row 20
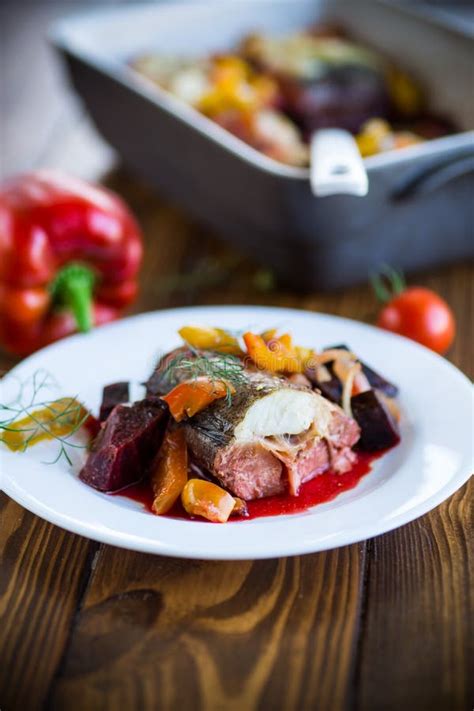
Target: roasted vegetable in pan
column 378, row 136
column 273, row 92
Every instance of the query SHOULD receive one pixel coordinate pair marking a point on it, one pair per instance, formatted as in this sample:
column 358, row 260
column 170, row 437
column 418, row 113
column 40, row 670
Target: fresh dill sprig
column 192, row 363
column 32, row 417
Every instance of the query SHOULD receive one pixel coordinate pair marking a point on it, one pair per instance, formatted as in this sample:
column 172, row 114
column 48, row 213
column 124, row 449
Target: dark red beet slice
column 330, row 389
column 378, row 382
column 126, row 444
column 112, row 395
column 379, row 430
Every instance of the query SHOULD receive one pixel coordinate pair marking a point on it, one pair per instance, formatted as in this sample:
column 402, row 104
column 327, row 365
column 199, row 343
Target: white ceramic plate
column 432, row 461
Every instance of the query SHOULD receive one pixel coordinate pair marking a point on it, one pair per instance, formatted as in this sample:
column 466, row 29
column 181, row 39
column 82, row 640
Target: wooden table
column 383, row 625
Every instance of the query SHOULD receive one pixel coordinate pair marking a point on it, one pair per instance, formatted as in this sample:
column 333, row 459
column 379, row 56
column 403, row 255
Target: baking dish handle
column 432, row 178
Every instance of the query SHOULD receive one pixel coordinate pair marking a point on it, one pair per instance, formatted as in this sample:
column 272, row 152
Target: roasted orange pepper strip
column 274, row 356
column 192, row 396
column 169, row 472
column 203, row 498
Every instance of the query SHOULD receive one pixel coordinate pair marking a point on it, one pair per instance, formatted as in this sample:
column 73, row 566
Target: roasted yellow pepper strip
column 269, row 334
column 203, row 498
column 59, row 418
column 208, row 338
column 286, row 341
column 405, row 93
column 234, row 86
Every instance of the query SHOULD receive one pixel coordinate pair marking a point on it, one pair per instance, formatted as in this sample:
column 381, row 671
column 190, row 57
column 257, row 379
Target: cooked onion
column 349, row 371
column 347, row 378
column 322, row 374
column 391, row 405
column 334, row 354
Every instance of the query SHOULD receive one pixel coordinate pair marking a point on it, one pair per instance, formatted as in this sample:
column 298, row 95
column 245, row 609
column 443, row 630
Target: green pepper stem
column 387, row 283
column 73, row 287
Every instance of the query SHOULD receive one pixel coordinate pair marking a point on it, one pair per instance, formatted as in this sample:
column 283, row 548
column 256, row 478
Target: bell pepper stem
column 73, row 288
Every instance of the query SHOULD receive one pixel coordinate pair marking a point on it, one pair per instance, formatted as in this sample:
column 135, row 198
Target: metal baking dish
column 418, row 211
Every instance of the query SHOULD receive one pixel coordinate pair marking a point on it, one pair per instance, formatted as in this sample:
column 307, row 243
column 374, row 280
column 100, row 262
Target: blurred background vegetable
column 69, row 258
column 415, row 312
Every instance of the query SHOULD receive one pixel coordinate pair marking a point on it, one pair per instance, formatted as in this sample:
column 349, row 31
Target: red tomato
column 421, row 315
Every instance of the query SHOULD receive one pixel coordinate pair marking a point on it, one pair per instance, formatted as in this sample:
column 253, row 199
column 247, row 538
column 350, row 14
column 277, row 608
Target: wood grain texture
column 417, row 644
column 214, row 635
column 42, row 573
column 377, row 627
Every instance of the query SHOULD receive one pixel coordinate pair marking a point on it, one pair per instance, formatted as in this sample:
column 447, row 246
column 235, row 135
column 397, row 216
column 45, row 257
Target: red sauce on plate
column 324, row 487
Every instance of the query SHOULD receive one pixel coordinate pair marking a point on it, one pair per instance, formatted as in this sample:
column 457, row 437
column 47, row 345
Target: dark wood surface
column 386, row 624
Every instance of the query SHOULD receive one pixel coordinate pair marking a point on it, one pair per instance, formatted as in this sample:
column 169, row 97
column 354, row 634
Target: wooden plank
column 165, row 633
column 42, row 573
column 417, row 641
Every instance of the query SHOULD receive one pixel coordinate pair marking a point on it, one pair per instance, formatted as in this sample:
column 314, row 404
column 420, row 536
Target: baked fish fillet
column 271, row 438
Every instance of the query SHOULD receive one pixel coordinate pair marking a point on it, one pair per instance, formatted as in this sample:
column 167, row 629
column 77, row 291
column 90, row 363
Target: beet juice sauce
column 324, row 487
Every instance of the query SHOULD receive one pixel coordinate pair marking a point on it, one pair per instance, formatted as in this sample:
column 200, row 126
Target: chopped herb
column 192, row 363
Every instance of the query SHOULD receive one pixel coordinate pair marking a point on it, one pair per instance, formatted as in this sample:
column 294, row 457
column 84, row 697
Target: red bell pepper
column 69, row 257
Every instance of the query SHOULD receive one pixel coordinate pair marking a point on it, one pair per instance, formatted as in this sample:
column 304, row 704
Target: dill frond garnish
column 192, row 363
column 30, row 418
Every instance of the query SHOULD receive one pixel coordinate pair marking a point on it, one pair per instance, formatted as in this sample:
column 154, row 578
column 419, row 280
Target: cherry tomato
column 421, row 315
